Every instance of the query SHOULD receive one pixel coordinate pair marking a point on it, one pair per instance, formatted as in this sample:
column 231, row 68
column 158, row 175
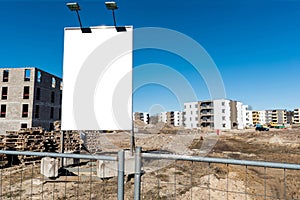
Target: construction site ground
column 174, row 179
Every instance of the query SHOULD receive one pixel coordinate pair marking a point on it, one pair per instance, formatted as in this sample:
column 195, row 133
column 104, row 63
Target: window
column 223, row 118
column 190, row 106
column 27, row 75
column 196, row 118
column 223, row 110
column 3, row 111
column 51, row 127
column 25, row 110
column 51, row 112
column 23, row 125
column 5, row 75
column 53, row 82
column 37, row 111
column 26, row 92
column 4, row 93
column 223, row 103
column 39, row 76
column 52, row 97
column 196, row 105
column 38, row 94
column 191, row 112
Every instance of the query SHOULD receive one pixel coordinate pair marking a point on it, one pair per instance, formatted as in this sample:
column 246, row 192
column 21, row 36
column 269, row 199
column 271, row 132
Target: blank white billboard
column 97, row 79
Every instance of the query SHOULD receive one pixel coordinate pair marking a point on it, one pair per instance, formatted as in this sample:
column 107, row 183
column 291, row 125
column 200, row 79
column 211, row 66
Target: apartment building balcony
column 207, row 124
column 206, row 119
column 206, row 105
column 206, row 114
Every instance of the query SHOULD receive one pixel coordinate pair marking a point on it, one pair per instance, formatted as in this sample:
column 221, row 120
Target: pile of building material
column 38, row 140
column 72, row 142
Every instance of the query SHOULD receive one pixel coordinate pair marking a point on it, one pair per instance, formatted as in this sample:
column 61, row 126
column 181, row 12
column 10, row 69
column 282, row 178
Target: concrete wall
column 222, row 114
column 239, row 116
column 13, row 117
column 233, row 114
column 191, row 115
column 45, row 103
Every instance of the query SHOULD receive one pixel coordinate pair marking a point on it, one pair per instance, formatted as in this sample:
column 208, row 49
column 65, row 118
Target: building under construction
column 29, row 98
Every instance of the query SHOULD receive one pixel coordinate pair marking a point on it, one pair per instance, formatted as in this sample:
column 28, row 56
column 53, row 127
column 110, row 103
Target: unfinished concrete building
column 30, row 97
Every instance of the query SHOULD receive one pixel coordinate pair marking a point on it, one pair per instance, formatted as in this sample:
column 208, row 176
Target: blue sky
column 255, row 44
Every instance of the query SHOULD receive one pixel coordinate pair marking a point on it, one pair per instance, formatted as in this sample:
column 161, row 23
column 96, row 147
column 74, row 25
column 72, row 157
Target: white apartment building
column 240, row 115
column 143, row 116
column 163, row 117
column 262, row 117
column 191, row 115
column 177, row 118
column 173, row 118
column 247, row 116
column 222, row 114
column 297, row 116
column 216, row 114
column 248, row 122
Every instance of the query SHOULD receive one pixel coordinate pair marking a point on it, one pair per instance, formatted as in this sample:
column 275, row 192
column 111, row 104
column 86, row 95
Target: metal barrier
column 186, row 177
column 14, row 185
column 191, row 179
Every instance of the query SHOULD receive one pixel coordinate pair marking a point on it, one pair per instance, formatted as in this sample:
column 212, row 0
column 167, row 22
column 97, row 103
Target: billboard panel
column 97, row 79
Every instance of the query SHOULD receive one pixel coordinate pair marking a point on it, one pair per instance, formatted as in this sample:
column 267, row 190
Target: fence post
column 121, row 175
column 137, row 175
column 62, row 142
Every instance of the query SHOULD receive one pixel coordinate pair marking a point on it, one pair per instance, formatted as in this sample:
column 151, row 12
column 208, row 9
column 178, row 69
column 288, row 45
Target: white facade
column 262, row 117
column 177, row 118
column 163, row 117
column 247, row 117
column 145, row 117
column 222, row 114
column 191, row 115
column 240, row 115
column 219, row 114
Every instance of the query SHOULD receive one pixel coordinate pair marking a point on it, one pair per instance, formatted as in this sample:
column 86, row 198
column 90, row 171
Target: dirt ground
column 175, row 179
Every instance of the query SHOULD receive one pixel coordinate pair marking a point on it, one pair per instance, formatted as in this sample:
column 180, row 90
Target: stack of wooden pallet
column 38, row 140
column 10, row 141
column 71, row 141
